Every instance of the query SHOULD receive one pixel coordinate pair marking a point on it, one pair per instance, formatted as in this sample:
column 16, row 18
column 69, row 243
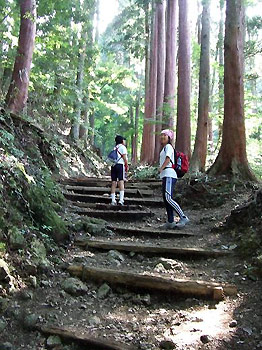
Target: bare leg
column 113, row 191
column 121, row 190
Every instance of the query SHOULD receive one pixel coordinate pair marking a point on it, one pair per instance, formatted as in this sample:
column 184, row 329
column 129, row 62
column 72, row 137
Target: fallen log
column 149, row 202
column 200, row 289
column 114, row 215
column 155, row 249
column 85, row 339
column 99, row 190
column 149, row 232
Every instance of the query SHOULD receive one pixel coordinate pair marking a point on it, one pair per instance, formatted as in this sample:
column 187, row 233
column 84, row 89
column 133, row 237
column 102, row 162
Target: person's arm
column 165, row 164
column 126, row 163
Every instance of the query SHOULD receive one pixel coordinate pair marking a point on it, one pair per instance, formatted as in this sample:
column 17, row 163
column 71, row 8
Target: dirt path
column 144, row 319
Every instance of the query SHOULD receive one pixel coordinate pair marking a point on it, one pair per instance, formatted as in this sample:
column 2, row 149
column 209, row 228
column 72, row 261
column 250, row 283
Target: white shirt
column 167, row 151
column 121, row 149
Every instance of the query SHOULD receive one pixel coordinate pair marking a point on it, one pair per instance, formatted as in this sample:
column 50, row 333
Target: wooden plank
column 114, row 215
column 150, row 231
column 155, row 249
column 148, row 202
column 99, row 190
column 85, row 339
column 200, row 289
column 104, row 206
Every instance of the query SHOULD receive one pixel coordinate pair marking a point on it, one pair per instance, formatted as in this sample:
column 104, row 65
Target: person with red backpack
column 173, row 164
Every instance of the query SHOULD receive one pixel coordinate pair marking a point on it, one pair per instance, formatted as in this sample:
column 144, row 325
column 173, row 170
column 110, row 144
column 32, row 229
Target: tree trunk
column 18, row 91
column 170, row 74
column 148, row 142
column 232, row 157
column 160, row 12
column 198, row 160
column 92, row 127
column 79, row 84
column 135, row 140
column 221, row 69
column 183, row 129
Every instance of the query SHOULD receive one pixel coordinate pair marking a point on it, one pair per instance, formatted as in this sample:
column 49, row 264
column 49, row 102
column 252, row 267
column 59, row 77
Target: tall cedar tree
column 170, row 74
column 198, row 160
column 160, row 12
column 18, row 90
column 148, row 141
column 232, row 157
column 183, row 129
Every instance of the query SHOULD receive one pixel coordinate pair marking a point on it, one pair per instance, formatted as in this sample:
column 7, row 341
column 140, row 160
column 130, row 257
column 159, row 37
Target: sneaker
column 182, row 222
column 167, row 226
column 121, row 202
column 114, row 203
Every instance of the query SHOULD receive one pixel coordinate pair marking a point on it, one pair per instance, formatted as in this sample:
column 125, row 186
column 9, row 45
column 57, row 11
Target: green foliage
column 43, row 209
column 145, row 172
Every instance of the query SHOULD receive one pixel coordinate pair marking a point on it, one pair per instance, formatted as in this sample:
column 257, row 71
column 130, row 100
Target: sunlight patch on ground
column 211, row 322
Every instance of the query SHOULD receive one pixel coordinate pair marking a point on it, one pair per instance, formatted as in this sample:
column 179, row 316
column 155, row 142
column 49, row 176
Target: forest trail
column 197, row 270
column 127, row 284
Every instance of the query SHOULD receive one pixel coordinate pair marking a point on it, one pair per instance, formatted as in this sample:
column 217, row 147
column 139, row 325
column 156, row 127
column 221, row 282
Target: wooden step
column 106, row 182
column 200, row 289
column 147, row 202
column 101, row 206
column 100, row 190
column 152, row 232
column 90, row 342
column 155, row 249
column 113, row 215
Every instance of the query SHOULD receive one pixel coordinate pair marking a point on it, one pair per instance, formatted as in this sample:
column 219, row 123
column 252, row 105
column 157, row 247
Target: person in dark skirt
column 119, row 170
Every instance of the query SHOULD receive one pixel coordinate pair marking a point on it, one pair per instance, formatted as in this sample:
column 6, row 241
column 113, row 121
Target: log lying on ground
column 104, row 206
column 85, row 339
column 99, row 190
column 136, row 281
column 155, row 249
column 148, row 202
column 150, row 232
column 114, row 215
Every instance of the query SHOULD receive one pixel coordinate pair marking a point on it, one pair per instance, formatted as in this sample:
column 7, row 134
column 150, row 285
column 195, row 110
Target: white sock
column 121, row 196
column 113, row 197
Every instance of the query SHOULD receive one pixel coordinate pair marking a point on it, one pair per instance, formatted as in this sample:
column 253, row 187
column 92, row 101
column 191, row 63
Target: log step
column 114, row 215
column 154, row 249
column 90, row 342
column 154, row 232
column 104, row 206
column 200, row 289
column 148, row 202
column 99, row 190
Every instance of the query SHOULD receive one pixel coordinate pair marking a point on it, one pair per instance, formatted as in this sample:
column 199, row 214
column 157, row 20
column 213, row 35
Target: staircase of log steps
column 91, row 197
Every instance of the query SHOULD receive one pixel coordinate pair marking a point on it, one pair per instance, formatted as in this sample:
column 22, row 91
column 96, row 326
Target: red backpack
column 181, row 165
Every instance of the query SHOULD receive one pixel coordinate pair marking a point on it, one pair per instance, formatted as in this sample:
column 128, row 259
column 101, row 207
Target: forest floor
column 145, row 320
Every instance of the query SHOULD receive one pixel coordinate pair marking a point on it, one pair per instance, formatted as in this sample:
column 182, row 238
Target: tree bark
column 161, row 56
column 198, row 159
column 135, row 140
column 148, row 142
column 183, row 129
column 79, row 83
column 18, row 91
column 232, row 157
column 221, row 69
column 170, row 74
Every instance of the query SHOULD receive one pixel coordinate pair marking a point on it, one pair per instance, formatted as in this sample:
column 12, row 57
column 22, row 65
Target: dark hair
column 119, row 139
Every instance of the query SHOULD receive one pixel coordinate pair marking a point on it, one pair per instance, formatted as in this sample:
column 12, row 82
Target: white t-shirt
column 167, row 151
column 121, row 149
